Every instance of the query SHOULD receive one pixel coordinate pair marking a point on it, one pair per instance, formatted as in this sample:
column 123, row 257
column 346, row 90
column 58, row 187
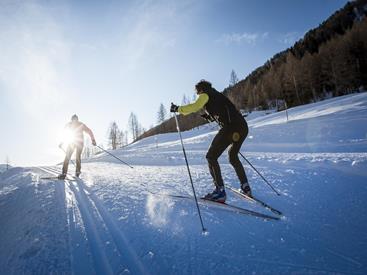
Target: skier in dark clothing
column 75, row 137
column 233, row 132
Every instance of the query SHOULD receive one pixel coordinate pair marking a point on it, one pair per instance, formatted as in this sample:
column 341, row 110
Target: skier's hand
column 61, row 144
column 94, row 143
column 174, row 108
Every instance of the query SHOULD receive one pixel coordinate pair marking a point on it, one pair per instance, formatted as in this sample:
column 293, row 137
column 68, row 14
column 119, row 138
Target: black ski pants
column 232, row 135
column 69, row 152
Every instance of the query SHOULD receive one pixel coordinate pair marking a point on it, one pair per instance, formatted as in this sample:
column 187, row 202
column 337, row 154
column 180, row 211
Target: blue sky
column 106, row 59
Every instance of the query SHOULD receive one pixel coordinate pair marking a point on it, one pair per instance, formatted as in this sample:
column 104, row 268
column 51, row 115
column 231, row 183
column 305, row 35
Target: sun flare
column 67, row 137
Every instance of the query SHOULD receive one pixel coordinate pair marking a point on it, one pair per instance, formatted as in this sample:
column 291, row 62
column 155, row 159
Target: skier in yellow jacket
column 233, row 132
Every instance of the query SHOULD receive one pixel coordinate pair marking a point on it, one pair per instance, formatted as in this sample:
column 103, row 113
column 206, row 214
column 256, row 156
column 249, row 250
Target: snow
column 3, row 167
column 110, row 222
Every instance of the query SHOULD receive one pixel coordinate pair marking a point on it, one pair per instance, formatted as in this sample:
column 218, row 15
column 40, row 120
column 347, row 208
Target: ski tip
column 279, row 213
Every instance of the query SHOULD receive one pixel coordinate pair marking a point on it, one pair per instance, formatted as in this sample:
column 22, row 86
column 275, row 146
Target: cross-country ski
column 253, row 199
column 222, row 205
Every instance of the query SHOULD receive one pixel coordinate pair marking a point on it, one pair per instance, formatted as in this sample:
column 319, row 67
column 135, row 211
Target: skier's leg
column 238, row 138
column 69, row 153
column 78, row 159
column 235, row 161
column 219, row 144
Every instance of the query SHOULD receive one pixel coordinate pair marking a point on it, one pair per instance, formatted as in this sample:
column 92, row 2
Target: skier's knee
column 210, row 158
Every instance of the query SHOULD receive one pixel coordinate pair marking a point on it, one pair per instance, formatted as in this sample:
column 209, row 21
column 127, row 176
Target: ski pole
column 188, row 170
column 268, row 183
column 114, row 156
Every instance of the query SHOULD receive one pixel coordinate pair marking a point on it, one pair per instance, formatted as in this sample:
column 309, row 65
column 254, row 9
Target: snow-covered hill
column 3, row 167
column 110, row 222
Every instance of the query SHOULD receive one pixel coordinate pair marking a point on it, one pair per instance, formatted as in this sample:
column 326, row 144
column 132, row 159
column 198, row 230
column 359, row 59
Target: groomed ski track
column 94, row 234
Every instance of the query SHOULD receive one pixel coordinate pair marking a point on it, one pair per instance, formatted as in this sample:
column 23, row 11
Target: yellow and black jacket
column 216, row 105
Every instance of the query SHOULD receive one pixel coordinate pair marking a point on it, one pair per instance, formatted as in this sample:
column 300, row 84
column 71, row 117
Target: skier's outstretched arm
column 90, row 133
column 193, row 107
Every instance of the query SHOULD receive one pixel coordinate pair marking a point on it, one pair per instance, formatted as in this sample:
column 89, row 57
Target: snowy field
column 109, row 222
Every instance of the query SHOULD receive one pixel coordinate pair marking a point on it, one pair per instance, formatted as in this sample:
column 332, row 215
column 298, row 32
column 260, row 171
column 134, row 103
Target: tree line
column 329, row 61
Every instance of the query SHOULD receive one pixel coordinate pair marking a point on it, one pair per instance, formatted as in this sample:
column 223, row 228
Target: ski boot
column 218, row 195
column 245, row 189
column 61, row 176
column 77, row 174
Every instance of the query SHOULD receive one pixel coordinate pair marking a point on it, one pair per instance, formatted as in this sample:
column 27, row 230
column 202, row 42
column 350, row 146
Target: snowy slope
column 3, row 167
column 110, row 223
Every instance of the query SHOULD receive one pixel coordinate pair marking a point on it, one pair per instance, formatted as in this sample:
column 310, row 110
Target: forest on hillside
column 330, row 60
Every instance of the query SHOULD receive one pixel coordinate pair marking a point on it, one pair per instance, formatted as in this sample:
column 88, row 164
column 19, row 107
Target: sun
column 67, row 137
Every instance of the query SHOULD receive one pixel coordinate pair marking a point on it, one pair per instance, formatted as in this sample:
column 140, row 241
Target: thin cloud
column 153, row 28
column 289, row 38
column 245, row 37
column 35, row 57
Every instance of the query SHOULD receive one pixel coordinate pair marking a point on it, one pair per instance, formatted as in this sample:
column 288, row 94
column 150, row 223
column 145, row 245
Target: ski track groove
column 345, row 258
column 93, row 241
column 89, row 203
column 77, row 236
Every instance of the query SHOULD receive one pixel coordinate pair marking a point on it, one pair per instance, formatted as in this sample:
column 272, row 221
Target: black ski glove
column 174, row 108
